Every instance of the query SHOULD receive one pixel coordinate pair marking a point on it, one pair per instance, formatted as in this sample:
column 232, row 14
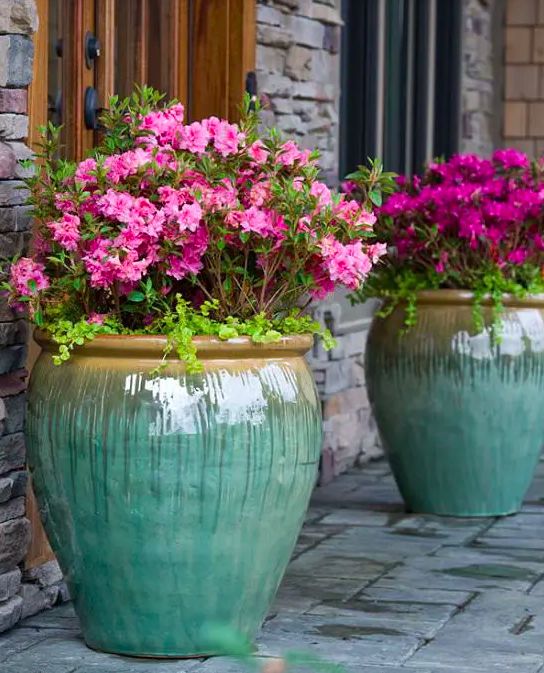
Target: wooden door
column 197, row 51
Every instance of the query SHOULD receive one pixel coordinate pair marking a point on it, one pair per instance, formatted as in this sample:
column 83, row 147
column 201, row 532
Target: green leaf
column 376, row 197
column 38, row 318
column 136, row 296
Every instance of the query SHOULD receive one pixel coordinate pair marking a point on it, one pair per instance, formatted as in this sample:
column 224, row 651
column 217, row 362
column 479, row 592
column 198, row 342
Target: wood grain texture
column 76, row 77
column 39, row 551
column 37, row 93
column 105, row 64
column 241, row 51
column 209, row 58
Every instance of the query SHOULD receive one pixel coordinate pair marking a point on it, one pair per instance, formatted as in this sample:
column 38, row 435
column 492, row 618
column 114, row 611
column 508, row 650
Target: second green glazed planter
column 461, row 417
column 173, row 502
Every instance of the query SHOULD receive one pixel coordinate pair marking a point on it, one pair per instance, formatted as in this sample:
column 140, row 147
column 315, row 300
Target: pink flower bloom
column 220, row 197
column 266, row 223
column 28, row 277
column 194, row 138
column 84, row 171
column 189, row 217
column 376, row 250
column 290, row 153
column 116, row 205
column 260, row 193
column 66, row 231
column 323, row 284
column 96, row 318
column 511, row 158
column 258, row 152
column 298, row 184
column 518, row 256
column 64, row 203
column 348, row 186
column 345, row 263
column 120, row 166
column 440, row 266
column 322, row 193
column 189, row 260
column 163, row 125
column 227, row 138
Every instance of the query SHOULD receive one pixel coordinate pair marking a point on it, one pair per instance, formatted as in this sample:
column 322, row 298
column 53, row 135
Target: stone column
column 21, row 593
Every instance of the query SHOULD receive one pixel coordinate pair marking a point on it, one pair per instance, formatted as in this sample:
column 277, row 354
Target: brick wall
column 524, row 76
column 22, row 592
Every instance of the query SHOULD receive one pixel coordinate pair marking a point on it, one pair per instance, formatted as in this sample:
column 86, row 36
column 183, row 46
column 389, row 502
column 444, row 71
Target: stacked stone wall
column 22, row 592
column 298, row 72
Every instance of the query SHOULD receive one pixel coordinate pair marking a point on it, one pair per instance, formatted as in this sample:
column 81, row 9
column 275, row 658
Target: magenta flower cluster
column 208, row 209
column 465, row 218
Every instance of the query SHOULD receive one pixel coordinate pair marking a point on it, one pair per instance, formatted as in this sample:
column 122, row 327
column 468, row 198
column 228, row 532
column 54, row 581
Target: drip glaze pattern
column 460, row 415
column 173, row 502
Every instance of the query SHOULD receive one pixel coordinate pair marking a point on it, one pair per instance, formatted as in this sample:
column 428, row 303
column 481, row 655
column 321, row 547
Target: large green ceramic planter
column 173, row 503
column 461, row 419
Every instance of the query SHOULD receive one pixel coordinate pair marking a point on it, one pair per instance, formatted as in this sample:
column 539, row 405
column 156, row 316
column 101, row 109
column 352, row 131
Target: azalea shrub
column 469, row 223
column 184, row 229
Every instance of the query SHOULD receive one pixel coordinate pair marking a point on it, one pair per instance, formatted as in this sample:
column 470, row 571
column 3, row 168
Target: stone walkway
column 371, row 588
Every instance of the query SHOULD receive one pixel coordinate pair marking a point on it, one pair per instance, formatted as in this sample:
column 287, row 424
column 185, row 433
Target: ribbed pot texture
column 173, row 502
column 461, row 416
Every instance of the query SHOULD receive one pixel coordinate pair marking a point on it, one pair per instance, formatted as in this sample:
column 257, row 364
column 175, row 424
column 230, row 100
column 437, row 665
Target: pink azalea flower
column 290, row 153
column 96, row 318
column 66, row 231
column 258, row 152
column 227, row 139
column 322, row 193
column 84, row 171
column 194, row 138
column 28, row 277
column 189, row 261
column 345, row 263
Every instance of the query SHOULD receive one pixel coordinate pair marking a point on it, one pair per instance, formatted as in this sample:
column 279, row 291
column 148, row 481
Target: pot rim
column 463, row 297
column 152, row 346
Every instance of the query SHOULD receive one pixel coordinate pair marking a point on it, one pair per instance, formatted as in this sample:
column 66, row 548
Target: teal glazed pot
column 461, row 416
column 173, row 502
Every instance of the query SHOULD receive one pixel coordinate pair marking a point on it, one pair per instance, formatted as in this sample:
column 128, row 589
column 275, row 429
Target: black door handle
column 91, row 108
column 92, row 49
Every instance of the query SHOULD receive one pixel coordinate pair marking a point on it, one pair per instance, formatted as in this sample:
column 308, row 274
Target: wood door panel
column 198, row 51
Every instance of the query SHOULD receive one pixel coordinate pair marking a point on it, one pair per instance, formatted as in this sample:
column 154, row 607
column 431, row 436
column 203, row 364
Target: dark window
column 400, row 82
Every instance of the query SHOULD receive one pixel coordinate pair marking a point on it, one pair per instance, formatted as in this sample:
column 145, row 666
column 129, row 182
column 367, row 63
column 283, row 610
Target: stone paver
column 370, row 588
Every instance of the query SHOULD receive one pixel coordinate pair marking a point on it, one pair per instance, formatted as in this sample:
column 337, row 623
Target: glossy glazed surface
column 461, row 419
column 173, row 503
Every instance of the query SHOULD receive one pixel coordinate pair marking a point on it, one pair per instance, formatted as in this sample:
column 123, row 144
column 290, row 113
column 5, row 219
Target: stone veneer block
column 12, row 452
column 14, row 100
column 18, row 16
column 14, row 540
column 10, row 613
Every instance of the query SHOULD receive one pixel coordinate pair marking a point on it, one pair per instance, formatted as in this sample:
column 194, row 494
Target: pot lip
column 209, row 347
column 463, row 297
